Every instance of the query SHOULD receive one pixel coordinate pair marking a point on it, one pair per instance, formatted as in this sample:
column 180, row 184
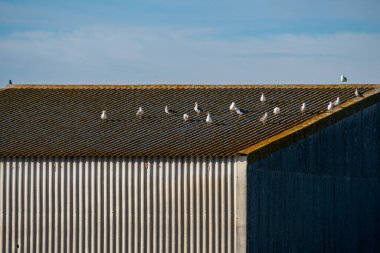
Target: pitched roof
column 64, row 120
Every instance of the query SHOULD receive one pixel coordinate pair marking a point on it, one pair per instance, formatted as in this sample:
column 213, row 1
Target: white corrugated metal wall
column 117, row 204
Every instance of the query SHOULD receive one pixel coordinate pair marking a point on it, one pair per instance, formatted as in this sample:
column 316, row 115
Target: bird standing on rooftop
column 238, row 111
column 232, row 107
column 104, row 115
column 208, row 119
column 303, row 108
column 330, row 106
column 262, row 98
column 140, row 112
column 169, row 111
column 185, row 117
column 337, row 101
column 197, row 109
column 343, row 79
column 276, row 110
column 357, row 93
column 10, row 81
column 264, row 118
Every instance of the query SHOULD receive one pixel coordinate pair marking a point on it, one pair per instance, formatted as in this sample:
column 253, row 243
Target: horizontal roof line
column 187, row 86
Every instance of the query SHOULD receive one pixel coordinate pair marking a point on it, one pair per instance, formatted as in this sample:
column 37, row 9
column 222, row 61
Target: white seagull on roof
column 232, row 107
column 197, row 109
column 185, row 117
column 337, row 101
column 276, row 110
column 140, row 112
column 238, row 111
column 343, row 79
column 303, row 108
column 208, row 119
column 264, row 118
column 330, row 106
column 262, row 98
column 104, row 115
column 357, row 93
column 169, row 111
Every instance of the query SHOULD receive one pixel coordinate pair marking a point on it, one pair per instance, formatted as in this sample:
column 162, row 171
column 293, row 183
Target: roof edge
column 311, row 125
column 184, row 86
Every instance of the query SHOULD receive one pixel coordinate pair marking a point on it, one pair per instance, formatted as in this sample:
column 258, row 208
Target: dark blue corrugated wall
column 320, row 194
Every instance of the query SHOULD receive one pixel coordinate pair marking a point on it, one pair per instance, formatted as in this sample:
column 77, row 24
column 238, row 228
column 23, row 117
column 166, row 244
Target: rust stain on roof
column 64, row 120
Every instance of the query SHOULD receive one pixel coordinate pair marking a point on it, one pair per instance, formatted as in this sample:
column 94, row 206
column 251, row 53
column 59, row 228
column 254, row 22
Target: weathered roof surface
column 64, row 120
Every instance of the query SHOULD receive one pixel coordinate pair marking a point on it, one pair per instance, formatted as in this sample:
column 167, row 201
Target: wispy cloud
column 109, row 54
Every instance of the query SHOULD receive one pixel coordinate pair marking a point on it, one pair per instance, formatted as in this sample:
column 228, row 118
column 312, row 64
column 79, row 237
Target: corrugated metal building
column 301, row 182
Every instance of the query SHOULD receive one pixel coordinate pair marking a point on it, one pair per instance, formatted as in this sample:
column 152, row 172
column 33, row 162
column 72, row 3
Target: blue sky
column 164, row 41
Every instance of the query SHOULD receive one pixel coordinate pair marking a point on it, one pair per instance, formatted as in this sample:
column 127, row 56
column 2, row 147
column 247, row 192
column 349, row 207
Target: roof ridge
column 300, row 127
column 186, row 86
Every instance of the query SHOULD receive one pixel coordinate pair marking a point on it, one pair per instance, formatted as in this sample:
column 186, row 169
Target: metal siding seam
column 50, row 201
column 179, row 202
column 160, row 210
column 21, row 222
column 136, row 204
column 203, row 229
column 62, row 202
column 197, row 207
column 111, row 210
column 13, row 211
column 56, row 204
column 124, row 197
column 32, row 212
column 173, row 201
column 216, row 208
column 210, row 170
column 167, row 204
column 192, row 201
column 93, row 204
column 86, row 199
column 44, row 207
column 7, row 207
column 222, row 206
column 130, row 187
column 154, row 199
column 142, row 207
column 74, row 204
column 80, row 199
column 117, row 204
column 229, row 210
column 148, row 206
column 185, row 192
column 68, row 206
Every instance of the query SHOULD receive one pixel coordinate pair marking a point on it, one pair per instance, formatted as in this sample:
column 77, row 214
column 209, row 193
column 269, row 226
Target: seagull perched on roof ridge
column 343, row 79
column 232, row 107
column 197, row 109
column 238, row 111
column 357, row 93
column 140, row 112
column 264, row 118
column 169, row 111
column 276, row 110
column 104, row 115
column 208, row 119
column 337, row 101
column 303, row 108
column 10, row 81
column 262, row 98
column 185, row 117
column 330, row 106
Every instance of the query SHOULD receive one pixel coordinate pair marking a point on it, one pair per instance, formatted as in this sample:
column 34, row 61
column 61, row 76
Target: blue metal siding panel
column 320, row 194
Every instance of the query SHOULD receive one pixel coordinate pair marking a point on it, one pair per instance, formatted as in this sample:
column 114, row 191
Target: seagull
column 343, row 79
column 238, row 111
column 208, row 119
column 140, row 112
column 276, row 110
column 232, row 107
column 264, row 118
column 263, row 99
column 186, row 117
column 197, row 109
column 104, row 115
column 330, row 106
column 357, row 93
column 337, row 101
column 169, row 111
column 303, row 108
column 10, row 81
